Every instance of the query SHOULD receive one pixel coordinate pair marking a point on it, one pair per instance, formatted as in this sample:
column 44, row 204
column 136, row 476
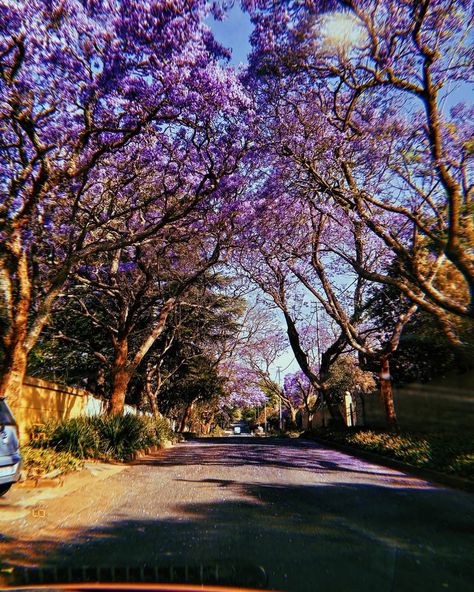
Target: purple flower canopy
column 241, row 387
column 131, row 147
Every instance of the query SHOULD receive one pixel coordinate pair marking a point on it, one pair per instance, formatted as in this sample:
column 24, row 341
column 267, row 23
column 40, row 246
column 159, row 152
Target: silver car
column 10, row 459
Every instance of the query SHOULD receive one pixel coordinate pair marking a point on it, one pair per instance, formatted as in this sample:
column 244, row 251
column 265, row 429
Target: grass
column 38, row 462
column 446, row 452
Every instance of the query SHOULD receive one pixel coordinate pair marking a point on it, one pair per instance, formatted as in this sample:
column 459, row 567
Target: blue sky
column 234, row 33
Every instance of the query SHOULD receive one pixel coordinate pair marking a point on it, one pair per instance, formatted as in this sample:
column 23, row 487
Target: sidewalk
column 24, row 498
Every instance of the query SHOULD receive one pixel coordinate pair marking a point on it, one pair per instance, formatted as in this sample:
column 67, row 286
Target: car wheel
column 4, row 488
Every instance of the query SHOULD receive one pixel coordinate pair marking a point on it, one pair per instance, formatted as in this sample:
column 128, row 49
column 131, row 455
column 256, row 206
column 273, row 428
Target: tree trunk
column 186, row 416
column 207, row 424
column 386, row 393
column 152, row 400
column 334, row 412
column 333, row 408
column 152, row 394
column 13, row 374
column 121, row 376
column 293, row 412
column 16, row 352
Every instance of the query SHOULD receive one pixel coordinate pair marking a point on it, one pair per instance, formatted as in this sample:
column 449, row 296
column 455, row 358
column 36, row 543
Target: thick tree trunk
column 186, row 416
column 334, row 411
column 152, row 400
column 13, row 373
column 121, row 376
column 13, row 369
column 206, row 425
column 293, row 414
column 120, row 384
column 386, row 393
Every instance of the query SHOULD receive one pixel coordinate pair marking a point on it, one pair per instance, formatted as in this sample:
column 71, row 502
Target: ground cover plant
column 445, row 452
column 38, row 462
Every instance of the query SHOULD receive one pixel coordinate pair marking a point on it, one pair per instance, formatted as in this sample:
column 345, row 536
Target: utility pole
column 279, row 396
column 318, row 345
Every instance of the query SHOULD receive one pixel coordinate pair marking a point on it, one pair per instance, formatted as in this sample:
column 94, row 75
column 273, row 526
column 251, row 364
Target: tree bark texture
column 121, row 376
column 386, row 393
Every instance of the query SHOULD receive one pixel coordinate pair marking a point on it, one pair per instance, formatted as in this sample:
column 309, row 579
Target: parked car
column 10, row 459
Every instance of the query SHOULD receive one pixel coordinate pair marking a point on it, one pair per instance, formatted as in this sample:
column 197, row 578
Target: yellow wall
column 41, row 401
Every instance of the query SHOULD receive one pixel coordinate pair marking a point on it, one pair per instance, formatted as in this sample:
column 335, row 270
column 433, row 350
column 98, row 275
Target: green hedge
column 116, row 437
column 445, row 452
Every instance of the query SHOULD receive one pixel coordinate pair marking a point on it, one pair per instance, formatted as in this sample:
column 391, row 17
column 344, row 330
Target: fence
column 445, row 405
column 428, row 406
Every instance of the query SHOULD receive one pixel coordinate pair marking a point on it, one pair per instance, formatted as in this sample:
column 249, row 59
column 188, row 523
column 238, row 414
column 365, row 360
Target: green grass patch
column 446, row 452
column 38, row 462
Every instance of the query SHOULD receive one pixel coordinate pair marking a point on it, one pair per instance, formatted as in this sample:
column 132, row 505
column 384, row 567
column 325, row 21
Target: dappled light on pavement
column 304, row 514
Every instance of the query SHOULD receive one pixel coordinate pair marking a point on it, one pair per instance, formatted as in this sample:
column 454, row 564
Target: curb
column 43, row 482
column 56, row 478
column 139, row 454
column 428, row 474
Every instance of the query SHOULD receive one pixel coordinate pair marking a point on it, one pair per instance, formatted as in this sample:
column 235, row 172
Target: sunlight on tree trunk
column 14, row 374
column 152, row 400
column 121, row 378
column 386, row 393
column 186, row 416
column 16, row 353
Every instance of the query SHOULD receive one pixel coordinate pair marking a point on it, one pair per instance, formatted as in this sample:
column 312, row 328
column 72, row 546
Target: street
column 311, row 518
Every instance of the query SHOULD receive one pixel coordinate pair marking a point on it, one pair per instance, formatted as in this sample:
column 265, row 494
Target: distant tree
column 299, row 394
column 197, row 383
column 347, row 376
column 205, row 323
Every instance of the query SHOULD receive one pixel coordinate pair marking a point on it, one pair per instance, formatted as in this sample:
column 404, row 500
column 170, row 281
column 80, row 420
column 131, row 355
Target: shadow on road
column 278, row 453
column 307, row 537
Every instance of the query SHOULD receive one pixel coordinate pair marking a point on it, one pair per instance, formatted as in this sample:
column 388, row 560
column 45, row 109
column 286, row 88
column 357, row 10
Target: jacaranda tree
column 378, row 77
column 86, row 86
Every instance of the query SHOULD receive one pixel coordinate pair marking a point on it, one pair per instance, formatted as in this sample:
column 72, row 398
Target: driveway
column 307, row 517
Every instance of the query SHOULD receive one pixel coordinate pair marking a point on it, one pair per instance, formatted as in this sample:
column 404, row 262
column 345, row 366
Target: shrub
column 463, row 465
column 412, row 450
column 41, row 434
column 158, row 432
column 116, row 437
column 76, row 436
column 217, row 432
column 121, row 435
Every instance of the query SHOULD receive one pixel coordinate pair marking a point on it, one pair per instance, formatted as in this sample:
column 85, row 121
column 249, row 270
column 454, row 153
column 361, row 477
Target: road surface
column 311, row 518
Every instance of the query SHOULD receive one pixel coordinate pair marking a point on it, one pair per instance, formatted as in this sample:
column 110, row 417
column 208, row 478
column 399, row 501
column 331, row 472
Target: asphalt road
column 310, row 518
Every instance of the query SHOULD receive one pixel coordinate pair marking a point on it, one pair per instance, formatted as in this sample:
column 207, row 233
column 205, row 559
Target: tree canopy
column 168, row 220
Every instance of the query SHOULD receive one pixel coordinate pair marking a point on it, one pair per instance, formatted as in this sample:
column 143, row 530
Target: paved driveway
column 312, row 518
